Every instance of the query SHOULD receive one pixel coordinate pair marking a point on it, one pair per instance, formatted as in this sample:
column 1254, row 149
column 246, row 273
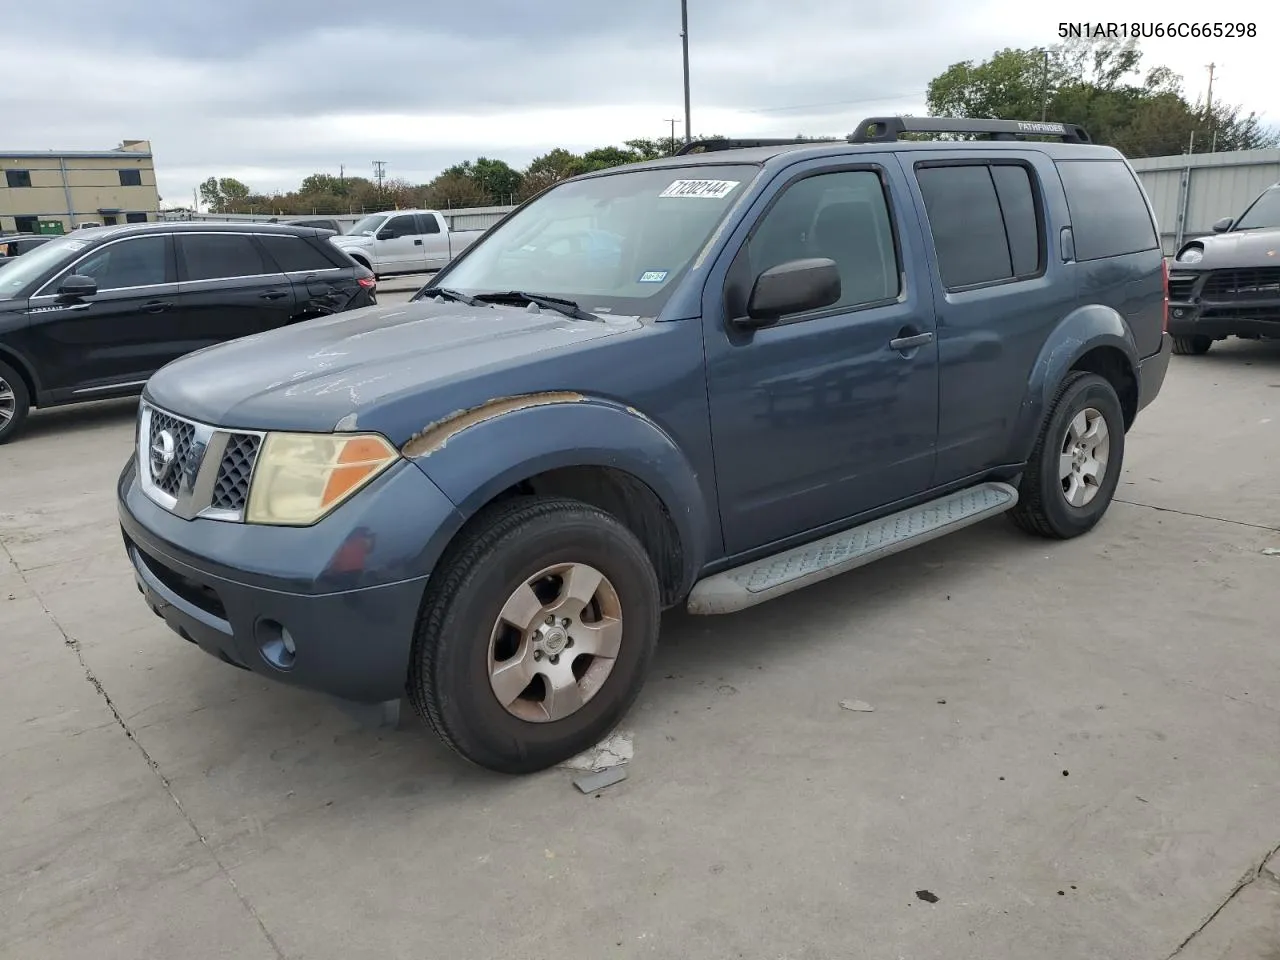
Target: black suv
column 1229, row 285
column 14, row 245
column 93, row 315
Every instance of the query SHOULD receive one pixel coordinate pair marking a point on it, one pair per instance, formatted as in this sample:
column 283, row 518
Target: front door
column 117, row 337
column 401, row 251
column 829, row 414
column 227, row 289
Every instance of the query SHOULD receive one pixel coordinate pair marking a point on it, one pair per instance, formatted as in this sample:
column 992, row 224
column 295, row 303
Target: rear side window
column 428, row 223
column 294, row 254
column 219, row 256
column 984, row 221
column 1109, row 216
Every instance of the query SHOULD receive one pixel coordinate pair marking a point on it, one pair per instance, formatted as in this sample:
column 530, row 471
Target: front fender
column 476, row 454
column 1085, row 329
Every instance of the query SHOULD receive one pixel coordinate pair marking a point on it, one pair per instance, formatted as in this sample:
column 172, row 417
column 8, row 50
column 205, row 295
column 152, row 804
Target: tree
column 1098, row 84
column 453, row 189
column 223, row 195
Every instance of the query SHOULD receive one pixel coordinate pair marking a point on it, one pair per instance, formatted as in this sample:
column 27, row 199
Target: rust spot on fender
column 435, row 435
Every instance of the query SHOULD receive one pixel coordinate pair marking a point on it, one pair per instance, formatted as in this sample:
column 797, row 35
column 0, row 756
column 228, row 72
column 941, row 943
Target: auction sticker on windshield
column 653, row 276
column 708, row 189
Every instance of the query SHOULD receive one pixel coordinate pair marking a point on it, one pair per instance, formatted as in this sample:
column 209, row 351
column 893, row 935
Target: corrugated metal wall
column 1190, row 192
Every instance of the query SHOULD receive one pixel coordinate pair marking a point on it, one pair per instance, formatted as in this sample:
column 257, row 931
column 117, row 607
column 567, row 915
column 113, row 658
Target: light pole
column 684, row 39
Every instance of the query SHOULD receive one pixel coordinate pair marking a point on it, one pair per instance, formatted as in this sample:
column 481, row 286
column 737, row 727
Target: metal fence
column 464, row 218
column 1191, row 191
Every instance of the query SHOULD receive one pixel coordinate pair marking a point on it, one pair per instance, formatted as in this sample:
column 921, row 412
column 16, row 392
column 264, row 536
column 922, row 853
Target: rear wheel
column 1192, row 346
column 535, row 638
column 15, row 402
column 1075, row 467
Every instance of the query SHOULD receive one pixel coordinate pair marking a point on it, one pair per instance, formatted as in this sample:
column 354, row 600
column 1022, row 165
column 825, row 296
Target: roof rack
column 726, row 143
column 888, row 129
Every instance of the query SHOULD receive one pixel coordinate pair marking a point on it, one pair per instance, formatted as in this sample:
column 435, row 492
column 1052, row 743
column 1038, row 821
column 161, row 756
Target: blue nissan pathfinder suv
column 709, row 380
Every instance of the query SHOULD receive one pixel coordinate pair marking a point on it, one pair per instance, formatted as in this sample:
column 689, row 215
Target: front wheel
column 1192, row 346
column 1075, row 467
column 536, row 635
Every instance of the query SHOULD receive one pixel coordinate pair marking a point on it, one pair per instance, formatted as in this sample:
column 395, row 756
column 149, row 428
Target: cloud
column 269, row 92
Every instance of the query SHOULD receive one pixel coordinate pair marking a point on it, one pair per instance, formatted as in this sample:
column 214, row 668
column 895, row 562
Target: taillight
column 370, row 282
column 1164, row 320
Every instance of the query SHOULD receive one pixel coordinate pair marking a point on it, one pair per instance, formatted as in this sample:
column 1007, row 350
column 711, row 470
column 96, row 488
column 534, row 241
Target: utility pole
column 379, row 172
column 1044, row 89
column 684, row 40
column 672, row 151
column 1208, row 109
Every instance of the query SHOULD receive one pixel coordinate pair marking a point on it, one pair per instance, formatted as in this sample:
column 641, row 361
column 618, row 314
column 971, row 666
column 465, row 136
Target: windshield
column 367, row 226
column 614, row 244
column 30, row 266
column 1265, row 212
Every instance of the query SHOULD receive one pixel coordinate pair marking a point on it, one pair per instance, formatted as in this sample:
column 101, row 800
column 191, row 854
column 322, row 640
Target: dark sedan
column 14, row 245
column 93, row 315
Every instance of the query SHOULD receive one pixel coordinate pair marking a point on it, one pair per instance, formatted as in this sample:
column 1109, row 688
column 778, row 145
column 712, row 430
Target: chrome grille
column 194, row 469
column 231, row 489
column 184, row 435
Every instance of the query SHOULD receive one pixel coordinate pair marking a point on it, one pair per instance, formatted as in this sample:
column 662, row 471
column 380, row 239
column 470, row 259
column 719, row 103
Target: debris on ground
column 927, row 896
column 598, row 781
column 942, row 700
column 857, row 706
column 612, row 751
column 1271, row 552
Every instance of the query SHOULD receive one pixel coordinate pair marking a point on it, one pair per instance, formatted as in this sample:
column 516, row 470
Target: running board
column 799, row 567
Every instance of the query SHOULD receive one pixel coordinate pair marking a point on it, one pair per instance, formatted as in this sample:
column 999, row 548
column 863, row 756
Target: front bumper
column 347, row 590
column 1152, row 370
column 1221, row 320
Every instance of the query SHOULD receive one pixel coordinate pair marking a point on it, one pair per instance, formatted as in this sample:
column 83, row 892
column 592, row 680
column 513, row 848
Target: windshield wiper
column 568, row 307
column 448, row 294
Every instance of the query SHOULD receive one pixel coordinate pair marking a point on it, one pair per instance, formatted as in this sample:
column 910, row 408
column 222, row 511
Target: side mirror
column 793, row 287
column 77, row 286
column 386, row 234
column 1223, row 225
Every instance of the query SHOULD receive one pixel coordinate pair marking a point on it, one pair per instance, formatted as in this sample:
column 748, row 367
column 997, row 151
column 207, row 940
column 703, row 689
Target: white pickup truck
column 404, row 241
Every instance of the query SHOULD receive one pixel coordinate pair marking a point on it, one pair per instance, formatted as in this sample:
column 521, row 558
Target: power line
column 887, row 98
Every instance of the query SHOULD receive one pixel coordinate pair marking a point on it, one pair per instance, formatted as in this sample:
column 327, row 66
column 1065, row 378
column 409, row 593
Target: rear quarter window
column 1109, row 215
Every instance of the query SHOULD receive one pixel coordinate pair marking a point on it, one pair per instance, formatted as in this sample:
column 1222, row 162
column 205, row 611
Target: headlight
column 300, row 477
column 1193, row 254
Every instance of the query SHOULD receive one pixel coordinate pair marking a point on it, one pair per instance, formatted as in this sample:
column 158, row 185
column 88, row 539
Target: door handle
column 418, row 242
column 903, row 344
column 272, row 295
column 156, row 306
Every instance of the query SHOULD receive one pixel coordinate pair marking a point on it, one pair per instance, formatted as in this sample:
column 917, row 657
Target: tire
column 1043, row 506
column 1192, row 346
column 460, row 635
column 15, row 402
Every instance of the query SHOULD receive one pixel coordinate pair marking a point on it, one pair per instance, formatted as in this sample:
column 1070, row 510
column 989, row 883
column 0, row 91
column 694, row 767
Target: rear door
column 227, row 288
column 435, row 240
column 119, row 336
column 998, row 293
column 320, row 287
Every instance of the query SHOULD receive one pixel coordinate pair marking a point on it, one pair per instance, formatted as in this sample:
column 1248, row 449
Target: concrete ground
column 1074, row 750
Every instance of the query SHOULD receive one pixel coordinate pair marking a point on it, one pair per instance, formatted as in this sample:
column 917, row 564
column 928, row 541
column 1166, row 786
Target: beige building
column 101, row 188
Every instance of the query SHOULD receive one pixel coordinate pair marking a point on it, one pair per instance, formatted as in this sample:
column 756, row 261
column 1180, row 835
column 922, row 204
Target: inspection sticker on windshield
column 653, row 276
column 709, row 189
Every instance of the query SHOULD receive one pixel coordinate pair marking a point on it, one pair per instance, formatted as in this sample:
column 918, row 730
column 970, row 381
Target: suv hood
column 389, row 368
column 1247, row 248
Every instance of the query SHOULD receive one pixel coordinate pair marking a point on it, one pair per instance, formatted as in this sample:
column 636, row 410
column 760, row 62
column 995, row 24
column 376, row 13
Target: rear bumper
column 342, row 589
column 1152, row 370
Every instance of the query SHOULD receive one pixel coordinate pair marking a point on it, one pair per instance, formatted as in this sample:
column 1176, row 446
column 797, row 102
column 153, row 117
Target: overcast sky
column 270, row 90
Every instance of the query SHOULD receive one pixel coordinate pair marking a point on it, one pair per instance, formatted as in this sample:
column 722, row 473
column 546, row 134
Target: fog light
column 276, row 644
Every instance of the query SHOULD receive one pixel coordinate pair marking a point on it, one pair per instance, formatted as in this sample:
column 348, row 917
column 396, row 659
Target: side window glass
column 1022, row 226
column 842, row 216
column 964, row 218
column 294, row 254
column 130, row 263
column 219, row 256
column 402, row 226
column 428, row 223
column 1109, row 215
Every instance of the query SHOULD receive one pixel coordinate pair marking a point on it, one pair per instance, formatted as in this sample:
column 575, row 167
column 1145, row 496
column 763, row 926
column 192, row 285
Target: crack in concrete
column 1251, row 876
column 92, row 678
column 1198, row 516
